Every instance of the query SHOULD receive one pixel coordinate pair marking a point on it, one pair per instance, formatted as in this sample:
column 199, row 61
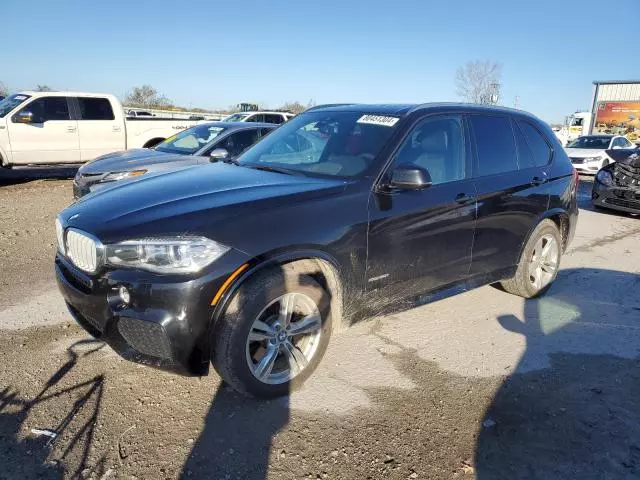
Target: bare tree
column 293, row 107
column 146, row 96
column 4, row 90
column 479, row 82
column 44, row 88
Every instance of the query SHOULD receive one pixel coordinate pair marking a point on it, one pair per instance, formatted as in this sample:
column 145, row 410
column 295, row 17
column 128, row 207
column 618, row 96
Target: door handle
column 116, row 128
column 536, row 181
column 71, row 129
column 464, row 198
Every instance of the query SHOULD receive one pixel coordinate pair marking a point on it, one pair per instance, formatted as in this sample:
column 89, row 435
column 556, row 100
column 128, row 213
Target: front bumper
column 616, row 198
column 167, row 321
column 590, row 168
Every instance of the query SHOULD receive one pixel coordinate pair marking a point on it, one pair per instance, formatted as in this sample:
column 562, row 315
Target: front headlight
column 60, row 235
column 605, row 177
column 112, row 177
column 165, row 254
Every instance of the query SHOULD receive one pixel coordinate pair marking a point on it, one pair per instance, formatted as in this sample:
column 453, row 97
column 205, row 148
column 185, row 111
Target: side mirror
column 410, row 177
column 23, row 116
column 219, row 154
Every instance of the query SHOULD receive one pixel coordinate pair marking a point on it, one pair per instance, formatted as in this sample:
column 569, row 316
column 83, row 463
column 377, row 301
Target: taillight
column 576, row 181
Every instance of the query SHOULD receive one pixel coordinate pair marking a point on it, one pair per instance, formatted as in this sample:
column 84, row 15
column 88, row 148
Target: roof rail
column 326, row 105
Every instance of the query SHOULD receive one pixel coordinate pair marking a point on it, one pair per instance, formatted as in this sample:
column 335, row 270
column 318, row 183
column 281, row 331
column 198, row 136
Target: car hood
column 191, row 199
column 584, row 152
column 135, row 159
column 629, row 156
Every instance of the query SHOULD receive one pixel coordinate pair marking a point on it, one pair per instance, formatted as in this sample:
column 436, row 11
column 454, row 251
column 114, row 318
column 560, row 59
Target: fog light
column 124, row 294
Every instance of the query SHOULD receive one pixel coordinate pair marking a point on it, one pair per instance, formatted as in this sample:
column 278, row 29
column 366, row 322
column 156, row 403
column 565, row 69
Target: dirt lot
column 482, row 385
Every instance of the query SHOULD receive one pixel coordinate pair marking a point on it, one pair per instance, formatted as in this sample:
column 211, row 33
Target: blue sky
column 215, row 54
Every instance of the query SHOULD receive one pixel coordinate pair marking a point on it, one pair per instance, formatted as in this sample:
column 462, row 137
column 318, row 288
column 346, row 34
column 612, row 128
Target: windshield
column 336, row 144
column 236, row 117
column 189, row 141
column 11, row 102
column 600, row 143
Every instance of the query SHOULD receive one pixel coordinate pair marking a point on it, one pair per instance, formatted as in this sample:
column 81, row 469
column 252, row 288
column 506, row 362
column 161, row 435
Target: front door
column 52, row 137
column 421, row 240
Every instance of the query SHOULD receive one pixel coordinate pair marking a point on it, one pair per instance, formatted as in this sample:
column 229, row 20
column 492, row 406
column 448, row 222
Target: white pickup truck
column 67, row 127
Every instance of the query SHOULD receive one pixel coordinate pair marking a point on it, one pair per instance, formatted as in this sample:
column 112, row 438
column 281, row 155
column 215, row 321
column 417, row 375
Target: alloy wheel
column 284, row 338
column 544, row 262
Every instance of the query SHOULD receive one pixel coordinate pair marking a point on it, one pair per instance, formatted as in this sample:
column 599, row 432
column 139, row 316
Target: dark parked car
column 197, row 145
column 617, row 186
column 340, row 211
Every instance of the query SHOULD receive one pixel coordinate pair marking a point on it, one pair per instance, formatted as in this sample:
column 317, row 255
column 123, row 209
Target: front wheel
column 273, row 333
column 539, row 262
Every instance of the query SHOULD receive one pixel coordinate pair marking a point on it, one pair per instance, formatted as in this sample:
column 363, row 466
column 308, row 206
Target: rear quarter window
column 539, row 146
column 495, row 144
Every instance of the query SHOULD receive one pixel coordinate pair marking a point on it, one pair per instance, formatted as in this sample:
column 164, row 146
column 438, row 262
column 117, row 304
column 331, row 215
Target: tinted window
column 595, row 142
column 95, row 109
column 539, row 146
column 256, row 118
column 495, row 145
column 273, row 118
column 525, row 154
column 437, row 145
column 48, row 108
column 237, row 142
column 11, row 102
column 265, row 131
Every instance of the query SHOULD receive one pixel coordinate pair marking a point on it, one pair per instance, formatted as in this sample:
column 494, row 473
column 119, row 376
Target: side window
column 437, row 145
column 627, row 143
column 265, row 131
column 273, row 118
column 48, row 108
column 525, row 154
column 539, row 146
column 237, row 142
column 495, row 145
column 95, row 109
column 258, row 118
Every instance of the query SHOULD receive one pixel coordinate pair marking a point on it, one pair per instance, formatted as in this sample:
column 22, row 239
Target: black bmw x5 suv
column 251, row 265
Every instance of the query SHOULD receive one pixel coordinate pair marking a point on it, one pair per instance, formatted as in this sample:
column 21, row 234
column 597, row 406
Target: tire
column 233, row 352
column 523, row 283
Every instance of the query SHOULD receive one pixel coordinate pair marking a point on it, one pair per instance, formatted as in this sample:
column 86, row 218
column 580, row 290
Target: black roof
column 404, row 109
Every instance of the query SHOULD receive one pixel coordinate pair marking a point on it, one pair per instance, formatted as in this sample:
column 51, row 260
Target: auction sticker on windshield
column 378, row 120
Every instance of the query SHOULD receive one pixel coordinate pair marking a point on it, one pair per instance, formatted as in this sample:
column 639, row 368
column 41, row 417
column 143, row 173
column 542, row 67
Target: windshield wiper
column 269, row 168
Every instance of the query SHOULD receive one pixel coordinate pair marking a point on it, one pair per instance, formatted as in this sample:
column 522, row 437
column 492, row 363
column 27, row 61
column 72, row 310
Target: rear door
column 52, row 136
column 100, row 130
column 420, row 240
column 512, row 189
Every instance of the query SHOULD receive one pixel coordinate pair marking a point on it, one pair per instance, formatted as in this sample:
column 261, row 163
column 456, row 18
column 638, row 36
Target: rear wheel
column 539, row 263
column 273, row 333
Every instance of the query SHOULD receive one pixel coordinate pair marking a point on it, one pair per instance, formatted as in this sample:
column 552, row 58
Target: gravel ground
column 482, row 385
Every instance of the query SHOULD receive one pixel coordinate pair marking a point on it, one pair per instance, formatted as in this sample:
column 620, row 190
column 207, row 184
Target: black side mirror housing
column 410, row 177
column 219, row 154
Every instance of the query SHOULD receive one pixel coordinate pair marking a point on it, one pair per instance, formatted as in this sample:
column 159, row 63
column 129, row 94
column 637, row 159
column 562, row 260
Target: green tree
column 44, row 88
column 293, row 107
column 4, row 91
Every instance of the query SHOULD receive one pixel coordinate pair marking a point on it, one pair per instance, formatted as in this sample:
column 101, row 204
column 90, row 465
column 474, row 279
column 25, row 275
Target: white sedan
column 588, row 154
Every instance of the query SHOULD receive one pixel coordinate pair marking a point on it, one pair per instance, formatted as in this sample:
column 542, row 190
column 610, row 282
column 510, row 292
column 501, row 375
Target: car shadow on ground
column 28, row 456
column 570, row 409
column 28, row 174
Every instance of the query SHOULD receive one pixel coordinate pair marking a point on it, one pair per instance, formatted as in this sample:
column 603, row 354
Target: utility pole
column 516, row 101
